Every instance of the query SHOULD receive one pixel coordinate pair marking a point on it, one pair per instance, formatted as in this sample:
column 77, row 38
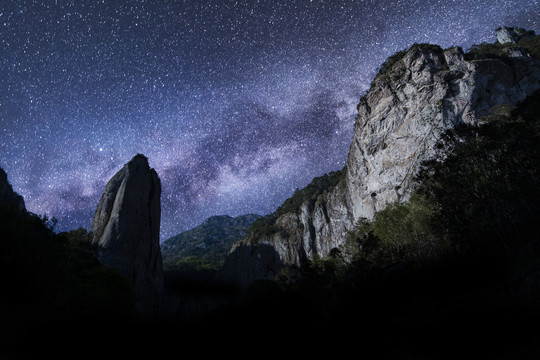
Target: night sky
column 235, row 103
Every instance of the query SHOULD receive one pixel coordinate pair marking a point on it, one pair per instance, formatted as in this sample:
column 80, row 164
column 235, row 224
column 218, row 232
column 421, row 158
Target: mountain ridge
column 210, row 241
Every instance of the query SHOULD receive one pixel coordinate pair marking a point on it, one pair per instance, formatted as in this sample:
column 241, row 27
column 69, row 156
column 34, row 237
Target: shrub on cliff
column 532, row 44
column 266, row 225
column 402, row 232
column 487, row 187
column 481, row 196
column 500, row 51
column 386, row 68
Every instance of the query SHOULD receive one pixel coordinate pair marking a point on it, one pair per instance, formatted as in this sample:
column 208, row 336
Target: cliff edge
column 417, row 95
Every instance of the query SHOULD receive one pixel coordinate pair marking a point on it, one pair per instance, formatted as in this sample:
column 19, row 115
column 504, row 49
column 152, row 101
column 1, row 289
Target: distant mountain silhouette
column 209, row 242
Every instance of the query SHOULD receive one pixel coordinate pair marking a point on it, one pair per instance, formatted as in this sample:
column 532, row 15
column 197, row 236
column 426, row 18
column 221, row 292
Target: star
column 235, row 104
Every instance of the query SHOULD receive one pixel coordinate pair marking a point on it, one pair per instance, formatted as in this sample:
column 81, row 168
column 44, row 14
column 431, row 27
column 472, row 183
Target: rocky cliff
column 8, row 197
column 417, row 95
column 125, row 230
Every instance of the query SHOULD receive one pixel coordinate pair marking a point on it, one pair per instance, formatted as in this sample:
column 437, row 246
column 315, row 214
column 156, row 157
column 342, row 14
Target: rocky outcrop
column 506, row 35
column 125, row 230
column 406, row 110
column 416, row 97
column 8, row 197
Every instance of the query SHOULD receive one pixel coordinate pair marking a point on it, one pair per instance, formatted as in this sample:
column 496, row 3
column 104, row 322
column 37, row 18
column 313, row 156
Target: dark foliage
column 454, row 271
column 311, row 192
column 499, row 51
column 50, row 281
column 487, row 188
column 532, row 44
column 390, row 62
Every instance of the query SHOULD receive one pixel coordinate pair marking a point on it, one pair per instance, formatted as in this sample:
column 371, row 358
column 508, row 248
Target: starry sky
column 235, row 103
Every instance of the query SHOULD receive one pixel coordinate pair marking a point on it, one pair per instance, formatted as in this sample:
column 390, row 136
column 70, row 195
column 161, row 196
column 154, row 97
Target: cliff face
column 125, row 230
column 417, row 95
column 403, row 115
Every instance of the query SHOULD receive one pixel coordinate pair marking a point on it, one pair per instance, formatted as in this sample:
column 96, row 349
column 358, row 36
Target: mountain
column 418, row 96
column 209, row 242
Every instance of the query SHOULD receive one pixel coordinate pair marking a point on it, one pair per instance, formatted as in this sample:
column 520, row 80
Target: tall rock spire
column 125, row 230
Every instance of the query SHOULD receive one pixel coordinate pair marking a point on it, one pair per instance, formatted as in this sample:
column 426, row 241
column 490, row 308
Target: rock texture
column 411, row 102
column 125, row 230
column 8, row 197
column 511, row 35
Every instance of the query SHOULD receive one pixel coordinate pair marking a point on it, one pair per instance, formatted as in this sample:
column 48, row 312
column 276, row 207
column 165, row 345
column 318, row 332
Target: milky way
column 235, row 103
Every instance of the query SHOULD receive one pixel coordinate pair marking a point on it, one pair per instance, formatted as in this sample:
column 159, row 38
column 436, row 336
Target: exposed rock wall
column 406, row 110
column 409, row 105
column 125, row 230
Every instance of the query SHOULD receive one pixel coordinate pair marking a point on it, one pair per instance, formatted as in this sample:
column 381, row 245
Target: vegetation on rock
column 453, row 268
column 481, row 194
column 266, row 225
column 500, row 51
column 386, row 68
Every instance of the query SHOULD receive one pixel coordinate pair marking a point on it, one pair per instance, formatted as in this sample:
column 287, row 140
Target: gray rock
column 506, row 35
column 516, row 52
column 125, row 230
column 425, row 93
column 8, row 197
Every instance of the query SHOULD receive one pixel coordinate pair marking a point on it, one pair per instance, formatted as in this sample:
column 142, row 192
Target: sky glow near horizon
column 235, row 103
